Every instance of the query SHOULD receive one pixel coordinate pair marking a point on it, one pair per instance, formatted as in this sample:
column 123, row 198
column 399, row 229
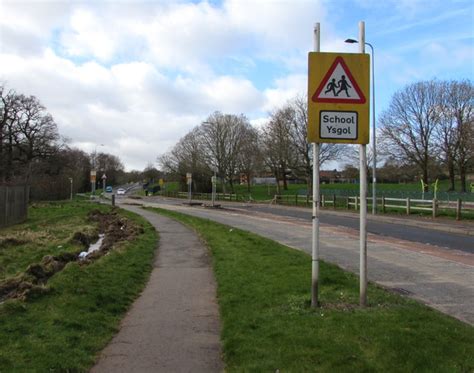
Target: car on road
column 120, row 191
column 108, row 189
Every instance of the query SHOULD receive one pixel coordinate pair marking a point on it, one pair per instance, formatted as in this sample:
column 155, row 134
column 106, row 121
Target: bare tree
column 37, row 132
column 407, row 125
column 109, row 165
column 9, row 113
column 279, row 152
column 298, row 112
column 187, row 156
column 459, row 113
column 223, row 137
column 250, row 157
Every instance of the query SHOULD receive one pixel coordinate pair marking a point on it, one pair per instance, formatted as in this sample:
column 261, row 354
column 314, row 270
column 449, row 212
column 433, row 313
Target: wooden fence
column 383, row 204
column 13, row 204
column 202, row 196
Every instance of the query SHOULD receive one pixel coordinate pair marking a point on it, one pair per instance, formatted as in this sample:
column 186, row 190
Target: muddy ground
column 116, row 229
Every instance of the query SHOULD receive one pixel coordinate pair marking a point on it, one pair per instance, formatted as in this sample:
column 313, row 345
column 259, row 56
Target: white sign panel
column 338, row 125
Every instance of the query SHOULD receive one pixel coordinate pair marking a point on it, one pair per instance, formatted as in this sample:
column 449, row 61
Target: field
column 66, row 317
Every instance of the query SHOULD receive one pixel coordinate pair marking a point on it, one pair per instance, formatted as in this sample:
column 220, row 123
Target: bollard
column 113, row 199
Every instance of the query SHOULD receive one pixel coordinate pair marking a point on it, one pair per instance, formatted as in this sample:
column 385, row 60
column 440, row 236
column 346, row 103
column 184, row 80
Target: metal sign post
column 363, row 200
column 214, row 182
column 338, row 112
column 93, row 177
column 315, row 217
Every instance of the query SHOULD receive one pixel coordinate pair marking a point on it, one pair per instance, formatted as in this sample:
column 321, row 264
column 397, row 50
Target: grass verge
column 65, row 328
column 267, row 324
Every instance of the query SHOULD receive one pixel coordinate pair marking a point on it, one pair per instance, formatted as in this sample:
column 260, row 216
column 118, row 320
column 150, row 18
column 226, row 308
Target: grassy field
column 64, row 327
column 266, row 192
column 267, row 324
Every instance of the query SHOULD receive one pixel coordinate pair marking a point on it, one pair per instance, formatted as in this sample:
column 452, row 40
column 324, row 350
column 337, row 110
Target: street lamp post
column 374, row 148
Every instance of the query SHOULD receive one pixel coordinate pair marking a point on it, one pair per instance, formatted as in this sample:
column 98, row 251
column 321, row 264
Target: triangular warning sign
column 339, row 86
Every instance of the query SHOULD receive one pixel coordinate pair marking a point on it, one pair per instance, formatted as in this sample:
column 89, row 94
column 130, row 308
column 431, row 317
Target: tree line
column 229, row 146
column 32, row 151
column 430, row 125
column 425, row 133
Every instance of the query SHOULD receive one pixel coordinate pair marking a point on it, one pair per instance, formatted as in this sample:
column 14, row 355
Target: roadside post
column 104, row 179
column 93, row 178
column 70, row 180
column 316, row 194
column 214, row 182
column 338, row 112
column 161, row 182
column 189, row 181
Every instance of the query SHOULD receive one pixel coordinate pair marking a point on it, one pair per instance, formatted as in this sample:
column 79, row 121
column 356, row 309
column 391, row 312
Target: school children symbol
column 339, row 86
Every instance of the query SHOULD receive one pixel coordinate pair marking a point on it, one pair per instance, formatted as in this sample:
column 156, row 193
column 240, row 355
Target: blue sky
column 138, row 75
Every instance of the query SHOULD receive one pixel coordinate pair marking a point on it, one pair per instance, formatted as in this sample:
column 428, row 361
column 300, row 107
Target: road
column 396, row 230
column 440, row 277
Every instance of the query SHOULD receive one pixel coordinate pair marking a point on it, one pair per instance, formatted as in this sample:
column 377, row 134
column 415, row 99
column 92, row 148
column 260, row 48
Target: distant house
column 334, row 176
column 264, row 181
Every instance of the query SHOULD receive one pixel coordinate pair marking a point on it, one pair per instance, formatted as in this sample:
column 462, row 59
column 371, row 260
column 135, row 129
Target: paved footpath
column 174, row 325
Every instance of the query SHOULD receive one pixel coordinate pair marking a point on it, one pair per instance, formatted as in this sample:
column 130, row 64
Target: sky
column 131, row 78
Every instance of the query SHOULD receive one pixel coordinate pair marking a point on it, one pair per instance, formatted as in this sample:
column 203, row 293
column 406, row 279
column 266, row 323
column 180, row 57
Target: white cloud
column 286, row 89
column 88, row 35
column 138, row 75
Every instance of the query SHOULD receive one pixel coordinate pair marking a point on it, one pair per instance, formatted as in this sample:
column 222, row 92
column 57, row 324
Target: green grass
column 65, row 328
column 48, row 231
column 267, row 324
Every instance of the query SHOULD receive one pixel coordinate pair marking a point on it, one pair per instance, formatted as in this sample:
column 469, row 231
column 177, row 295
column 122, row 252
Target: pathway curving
column 174, row 325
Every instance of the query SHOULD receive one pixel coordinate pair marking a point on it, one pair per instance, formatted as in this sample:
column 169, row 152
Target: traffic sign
column 338, row 88
column 189, row 178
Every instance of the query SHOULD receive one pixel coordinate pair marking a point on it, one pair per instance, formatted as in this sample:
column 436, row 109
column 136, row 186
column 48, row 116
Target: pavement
column 174, row 325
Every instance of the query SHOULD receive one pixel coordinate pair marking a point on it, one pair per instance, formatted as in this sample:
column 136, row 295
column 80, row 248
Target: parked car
column 108, row 189
column 120, row 191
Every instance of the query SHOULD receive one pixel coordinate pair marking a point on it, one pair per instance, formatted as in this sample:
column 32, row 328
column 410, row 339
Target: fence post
column 458, row 209
column 323, row 200
column 408, row 206
column 6, row 206
column 347, row 203
column 383, row 204
column 334, row 201
column 357, row 203
column 435, row 205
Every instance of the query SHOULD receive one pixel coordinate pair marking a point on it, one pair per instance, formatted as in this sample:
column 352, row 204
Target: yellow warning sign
column 338, row 98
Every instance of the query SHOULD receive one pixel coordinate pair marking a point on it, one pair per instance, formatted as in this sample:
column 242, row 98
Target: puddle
column 92, row 248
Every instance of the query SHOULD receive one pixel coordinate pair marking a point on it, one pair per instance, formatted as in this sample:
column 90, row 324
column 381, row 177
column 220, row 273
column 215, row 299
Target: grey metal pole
column 374, row 137
column 214, row 180
column 70, row 179
column 363, row 199
column 315, row 223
